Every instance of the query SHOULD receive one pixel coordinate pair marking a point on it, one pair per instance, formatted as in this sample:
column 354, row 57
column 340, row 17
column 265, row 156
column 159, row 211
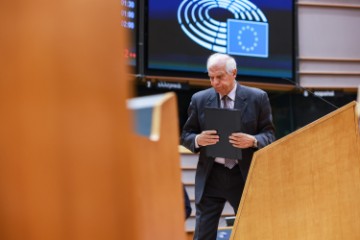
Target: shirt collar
column 232, row 93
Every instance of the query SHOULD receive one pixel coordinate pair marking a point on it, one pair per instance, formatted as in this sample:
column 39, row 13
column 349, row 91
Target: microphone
column 297, row 86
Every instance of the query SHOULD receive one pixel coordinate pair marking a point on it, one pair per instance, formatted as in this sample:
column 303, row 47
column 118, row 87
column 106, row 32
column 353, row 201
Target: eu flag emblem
column 247, row 38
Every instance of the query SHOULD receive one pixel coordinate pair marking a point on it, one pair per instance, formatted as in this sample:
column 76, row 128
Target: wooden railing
column 305, row 185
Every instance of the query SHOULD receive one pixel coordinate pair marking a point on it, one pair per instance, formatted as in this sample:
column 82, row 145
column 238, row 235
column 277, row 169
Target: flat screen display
column 181, row 34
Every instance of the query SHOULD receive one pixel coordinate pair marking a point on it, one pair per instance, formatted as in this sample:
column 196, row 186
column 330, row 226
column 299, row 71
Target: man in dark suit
column 216, row 181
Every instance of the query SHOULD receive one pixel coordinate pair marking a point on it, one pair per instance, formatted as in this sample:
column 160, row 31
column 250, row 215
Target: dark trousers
column 222, row 185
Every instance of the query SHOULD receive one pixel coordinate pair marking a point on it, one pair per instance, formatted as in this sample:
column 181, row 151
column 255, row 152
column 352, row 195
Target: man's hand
column 208, row 137
column 242, row 140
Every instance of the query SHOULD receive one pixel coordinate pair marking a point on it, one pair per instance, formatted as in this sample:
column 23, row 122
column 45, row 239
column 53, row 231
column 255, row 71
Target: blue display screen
column 181, row 34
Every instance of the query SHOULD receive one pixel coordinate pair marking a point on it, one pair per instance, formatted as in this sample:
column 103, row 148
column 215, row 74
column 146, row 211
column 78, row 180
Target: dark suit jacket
column 256, row 119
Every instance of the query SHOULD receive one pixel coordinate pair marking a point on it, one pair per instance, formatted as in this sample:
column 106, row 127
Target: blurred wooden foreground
column 70, row 164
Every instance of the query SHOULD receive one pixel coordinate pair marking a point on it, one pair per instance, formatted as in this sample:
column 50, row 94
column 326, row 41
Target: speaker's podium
column 305, row 185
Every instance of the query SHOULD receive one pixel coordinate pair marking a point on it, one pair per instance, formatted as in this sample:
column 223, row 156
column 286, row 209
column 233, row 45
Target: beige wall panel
column 328, row 39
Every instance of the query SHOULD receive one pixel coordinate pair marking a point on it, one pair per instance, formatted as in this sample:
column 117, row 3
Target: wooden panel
column 322, row 25
column 327, row 4
column 70, row 165
column 159, row 199
column 305, row 185
column 190, row 236
column 63, row 127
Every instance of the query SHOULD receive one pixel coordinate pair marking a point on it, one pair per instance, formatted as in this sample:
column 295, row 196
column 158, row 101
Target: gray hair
column 215, row 58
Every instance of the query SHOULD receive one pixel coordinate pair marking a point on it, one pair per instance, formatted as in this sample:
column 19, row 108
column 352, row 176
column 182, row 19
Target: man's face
column 220, row 80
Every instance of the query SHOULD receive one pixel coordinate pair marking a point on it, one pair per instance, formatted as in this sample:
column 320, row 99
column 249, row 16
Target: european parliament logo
column 247, row 38
column 246, row 34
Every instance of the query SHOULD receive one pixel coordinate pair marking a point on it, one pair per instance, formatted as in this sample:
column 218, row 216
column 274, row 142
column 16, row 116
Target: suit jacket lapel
column 213, row 100
column 240, row 100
